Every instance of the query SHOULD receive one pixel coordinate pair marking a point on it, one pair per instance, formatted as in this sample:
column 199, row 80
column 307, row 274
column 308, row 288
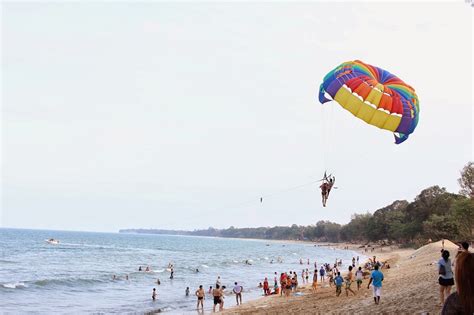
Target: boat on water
column 52, row 241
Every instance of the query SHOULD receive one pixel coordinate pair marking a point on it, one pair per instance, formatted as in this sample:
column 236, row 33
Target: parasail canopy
column 374, row 95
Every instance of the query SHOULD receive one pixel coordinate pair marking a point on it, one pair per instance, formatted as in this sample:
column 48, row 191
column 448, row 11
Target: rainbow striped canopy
column 374, row 95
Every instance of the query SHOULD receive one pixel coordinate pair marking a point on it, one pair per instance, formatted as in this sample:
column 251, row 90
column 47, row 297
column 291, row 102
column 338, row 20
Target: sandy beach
column 410, row 286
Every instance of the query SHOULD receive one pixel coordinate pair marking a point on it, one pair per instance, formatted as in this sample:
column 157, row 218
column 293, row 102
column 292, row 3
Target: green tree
column 467, row 180
column 463, row 212
column 440, row 226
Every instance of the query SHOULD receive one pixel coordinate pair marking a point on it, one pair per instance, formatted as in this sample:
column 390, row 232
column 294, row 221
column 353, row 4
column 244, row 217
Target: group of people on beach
column 461, row 301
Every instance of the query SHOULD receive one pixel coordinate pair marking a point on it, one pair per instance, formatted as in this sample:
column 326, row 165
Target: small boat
column 52, row 241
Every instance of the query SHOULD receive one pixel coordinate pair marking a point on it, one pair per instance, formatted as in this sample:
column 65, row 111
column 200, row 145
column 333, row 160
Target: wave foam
column 14, row 285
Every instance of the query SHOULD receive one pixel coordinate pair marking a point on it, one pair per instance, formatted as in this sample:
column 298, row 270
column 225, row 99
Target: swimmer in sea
column 140, row 268
column 158, row 282
column 210, row 289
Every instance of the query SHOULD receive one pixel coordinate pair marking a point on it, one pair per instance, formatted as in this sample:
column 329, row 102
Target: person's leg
column 441, row 294
column 446, row 293
column 237, row 299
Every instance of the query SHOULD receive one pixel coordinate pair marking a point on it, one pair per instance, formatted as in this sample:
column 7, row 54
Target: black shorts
column 200, row 298
column 446, row 282
column 217, row 300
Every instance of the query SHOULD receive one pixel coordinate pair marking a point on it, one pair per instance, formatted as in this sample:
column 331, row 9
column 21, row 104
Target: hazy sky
column 118, row 115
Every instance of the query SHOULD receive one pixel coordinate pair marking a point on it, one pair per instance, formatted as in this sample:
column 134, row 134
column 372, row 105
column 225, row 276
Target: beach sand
column 410, row 286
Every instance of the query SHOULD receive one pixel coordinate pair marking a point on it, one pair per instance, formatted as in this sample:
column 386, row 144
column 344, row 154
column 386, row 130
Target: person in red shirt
column 266, row 288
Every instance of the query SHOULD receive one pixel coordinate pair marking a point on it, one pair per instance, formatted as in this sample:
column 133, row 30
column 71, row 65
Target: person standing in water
column 153, row 294
column 238, row 293
column 200, row 296
column 217, row 294
column 321, row 273
column 187, row 291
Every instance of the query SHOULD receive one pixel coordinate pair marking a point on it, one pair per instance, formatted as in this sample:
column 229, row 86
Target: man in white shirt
column 238, row 293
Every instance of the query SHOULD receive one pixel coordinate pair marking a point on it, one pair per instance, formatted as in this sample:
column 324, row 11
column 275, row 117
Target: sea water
column 76, row 276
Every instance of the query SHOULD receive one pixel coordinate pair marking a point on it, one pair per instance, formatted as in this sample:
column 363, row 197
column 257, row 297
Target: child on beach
column 359, row 276
column 315, row 281
column 266, row 288
column 338, row 281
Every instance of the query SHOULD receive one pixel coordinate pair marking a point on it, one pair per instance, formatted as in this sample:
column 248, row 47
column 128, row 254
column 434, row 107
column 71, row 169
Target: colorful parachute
column 373, row 95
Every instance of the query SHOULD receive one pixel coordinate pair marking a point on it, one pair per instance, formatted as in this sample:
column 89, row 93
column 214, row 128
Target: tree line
column 434, row 214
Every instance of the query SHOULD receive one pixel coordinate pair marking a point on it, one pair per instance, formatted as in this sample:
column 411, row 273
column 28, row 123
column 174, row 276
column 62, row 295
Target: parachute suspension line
column 327, row 133
column 261, row 199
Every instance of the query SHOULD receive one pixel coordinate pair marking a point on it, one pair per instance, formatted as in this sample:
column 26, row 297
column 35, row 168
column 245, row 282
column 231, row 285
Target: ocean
column 76, row 276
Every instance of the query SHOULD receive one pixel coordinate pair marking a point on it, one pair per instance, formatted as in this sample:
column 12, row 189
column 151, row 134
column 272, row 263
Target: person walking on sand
column 359, row 276
column 349, row 279
column 376, row 279
column 153, row 294
column 200, row 296
column 338, row 281
column 238, row 293
column 445, row 279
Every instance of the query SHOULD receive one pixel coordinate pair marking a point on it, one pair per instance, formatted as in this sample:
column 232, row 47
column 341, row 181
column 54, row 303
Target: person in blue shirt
column 376, row 279
column 338, row 281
